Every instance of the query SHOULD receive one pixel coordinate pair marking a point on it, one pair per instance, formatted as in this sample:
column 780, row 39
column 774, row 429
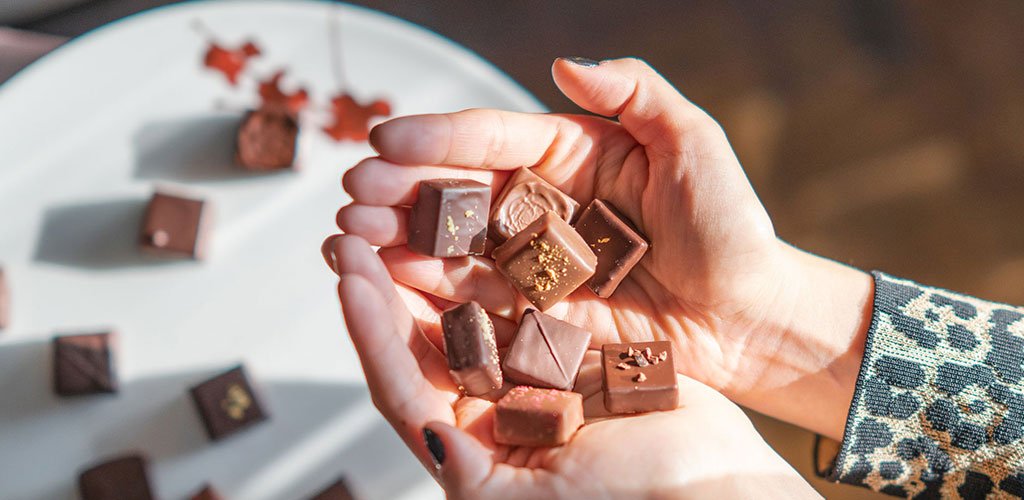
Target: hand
column 706, row 447
column 771, row 327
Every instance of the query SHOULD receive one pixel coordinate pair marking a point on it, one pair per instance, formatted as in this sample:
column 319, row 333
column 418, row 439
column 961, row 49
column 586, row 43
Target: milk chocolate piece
column 449, row 218
column 227, row 404
column 528, row 416
column 639, row 377
column 266, row 140
column 469, row 345
column 174, row 226
column 525, row 198
column 546, row 261
column 5, row 301
column 207, row 493
column 617, row 244
column 83, row 364
column 337, row 491
column 118, row 479
column 546, row 352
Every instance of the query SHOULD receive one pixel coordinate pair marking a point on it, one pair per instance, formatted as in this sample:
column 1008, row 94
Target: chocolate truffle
column 617, row 244
column 546, row 352
column 449, row 218
column 83, row 364
column 639, row 377
column 528, row 416
column 524, row 198
column 546, row 261
column 118, row 479
column 5, row 301
column 227, row 404
column 266, row 140
column 337, row 491
column 207, row 493
column 174, row 226
column 469, row 345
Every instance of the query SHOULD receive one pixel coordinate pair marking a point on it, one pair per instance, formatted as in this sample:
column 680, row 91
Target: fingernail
column 586, row 62
column 435, row 447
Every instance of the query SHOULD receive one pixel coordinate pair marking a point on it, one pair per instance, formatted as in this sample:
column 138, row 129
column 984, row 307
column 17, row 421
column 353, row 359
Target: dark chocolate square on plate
column 227, row 404
column 207, row 493
column 83, row 364
column 173, row 226
column 118, row 479
column 337, row 491
column 266, row 141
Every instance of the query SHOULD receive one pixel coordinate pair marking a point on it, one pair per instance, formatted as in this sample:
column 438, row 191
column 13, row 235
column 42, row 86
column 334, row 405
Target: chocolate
column 471, row 350
column 267, row 140
column 528, row 416
column 227, row 404
column 83, row 364
column 174, row 226
column 639, row 377
column 546, row 261
column 118, row 479
column 207, row 493
column 337, row 491
column 525, row 198
column 449, row 218
column 615, row 241
column 5, row 301
column 546, row 352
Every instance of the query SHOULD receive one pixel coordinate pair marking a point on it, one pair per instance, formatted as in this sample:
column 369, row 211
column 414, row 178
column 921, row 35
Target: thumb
column 461, row 462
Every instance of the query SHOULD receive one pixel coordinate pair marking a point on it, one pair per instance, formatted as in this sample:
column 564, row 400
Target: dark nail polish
column 582, row 61
column 435, row 447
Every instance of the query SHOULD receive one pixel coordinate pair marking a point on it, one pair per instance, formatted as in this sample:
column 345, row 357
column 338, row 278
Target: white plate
column 84, row 135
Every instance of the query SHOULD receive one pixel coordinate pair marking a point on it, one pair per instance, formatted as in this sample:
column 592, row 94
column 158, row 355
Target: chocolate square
column 266, row 141
column 207, row 493
column 546, row 352
column 528, row 416
column 616, row 242
column 337, row 491
column 83, row 364
column 639, row 377
column 227, row 404
column 471, row 350
column 525, row 197
column 5, row 301
column 546, row 261
column 173, row 226
column 449, row 218
column 118, row 479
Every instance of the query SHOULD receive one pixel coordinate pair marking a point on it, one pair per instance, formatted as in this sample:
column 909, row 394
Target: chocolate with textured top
column 339, row 490
column 639, row 377
column 449, row 218
column 471, row 350
column 117, row 479
column 227, row 404
column 615, row 241
column 526, row 197
column 83, row 364
column 5, row 301
column 174, row 226
column 546, row 352
column 528, row 416
column 546, row 261
column 266, row 140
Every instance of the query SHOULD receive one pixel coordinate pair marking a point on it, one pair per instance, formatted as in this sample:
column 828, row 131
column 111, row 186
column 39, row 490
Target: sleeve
column 938, row 411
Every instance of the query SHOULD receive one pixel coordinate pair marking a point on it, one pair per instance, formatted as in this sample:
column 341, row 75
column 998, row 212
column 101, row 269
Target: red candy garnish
column 352, row 120
column 276, row 100
column 230, row 62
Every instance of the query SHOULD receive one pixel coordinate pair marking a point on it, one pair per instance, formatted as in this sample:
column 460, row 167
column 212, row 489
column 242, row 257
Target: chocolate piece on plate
column 546, row 261
column 639, row 377
column 616, row 242
column 528, row 416
column 83, row 364
column 546, row 352
column 5, row 301
column 525, row 197
column 267, row 140
column 470, row 348
column 207, row 493
column 449, row 218
column 174, row 226
column 117, row 479
column 337, row 491
column 227, row 404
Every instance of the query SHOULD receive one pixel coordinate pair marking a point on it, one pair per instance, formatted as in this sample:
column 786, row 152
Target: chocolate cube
column 449, row 218
column 267, row 140
column 5, row 301
column 117, row 479
column 174, row 226
column 83, row 364
column 546, row 261
column 207, row 493
column 546, row 352
column 639, row 377
column 616, row 242
column 227, row 404
column 528, row 416
column 471, row 350
column 525, row 197
column 337, row 491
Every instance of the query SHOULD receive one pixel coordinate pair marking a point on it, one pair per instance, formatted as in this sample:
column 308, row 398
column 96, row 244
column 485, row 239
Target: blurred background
column 886, row 135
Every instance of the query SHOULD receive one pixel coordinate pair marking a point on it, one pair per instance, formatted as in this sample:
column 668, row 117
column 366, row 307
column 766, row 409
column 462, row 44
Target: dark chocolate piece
column 469, row 345
column 526, row 197
column 337, row 491
column 207, row 493
column 615, row 241
column 449, row 218
column 83, row 364
column 639, row 377
column 174, row 226
column 118, row 479
column 546, row 352
column 266, row 140
column 227, row 404
column 5, row 301
column 528, row 416
column 546, row 261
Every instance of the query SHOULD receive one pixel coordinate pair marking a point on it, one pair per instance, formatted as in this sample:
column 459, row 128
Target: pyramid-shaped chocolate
column 546, row 352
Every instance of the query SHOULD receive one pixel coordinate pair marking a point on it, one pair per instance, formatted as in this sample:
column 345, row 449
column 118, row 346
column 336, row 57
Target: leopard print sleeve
column 938, row 411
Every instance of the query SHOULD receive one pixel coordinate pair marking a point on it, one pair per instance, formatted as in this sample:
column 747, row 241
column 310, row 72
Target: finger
column 462, row 463
column 378, row 182
column 381, row 226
